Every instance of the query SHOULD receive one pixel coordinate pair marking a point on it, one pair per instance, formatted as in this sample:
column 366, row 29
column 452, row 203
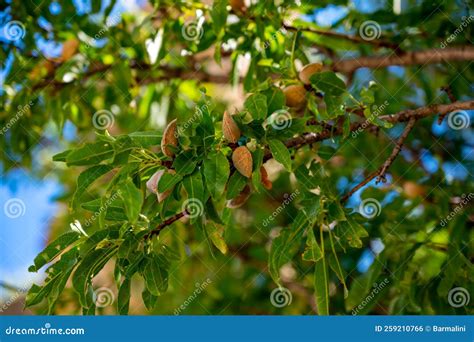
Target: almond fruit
column 267, row 184
column 240, row 199
column 152, row 184
column 170, row 138
column 308, row 71
column 230, row 129
column 413, row 190
column 238, row 5
column 242, row 159
column 295, row 95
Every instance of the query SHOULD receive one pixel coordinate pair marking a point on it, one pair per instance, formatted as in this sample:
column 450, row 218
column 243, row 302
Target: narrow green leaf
column 155, row 274
column 280, row 153
column 285, row 245
column 312, row 251
column 86, row 178
column 256, row 104
column 132, row 200
column 53, row 250
column 216, row 173
column 235, row 185
column 123, row 298
column 90, row 154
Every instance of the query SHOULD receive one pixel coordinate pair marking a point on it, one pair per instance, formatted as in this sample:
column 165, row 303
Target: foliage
column 147, row 229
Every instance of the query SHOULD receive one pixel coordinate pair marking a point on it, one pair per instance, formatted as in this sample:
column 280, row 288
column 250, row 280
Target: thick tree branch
column 430, row 56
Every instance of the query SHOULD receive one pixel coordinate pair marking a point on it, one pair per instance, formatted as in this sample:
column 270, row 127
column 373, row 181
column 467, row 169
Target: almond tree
column 341, row 151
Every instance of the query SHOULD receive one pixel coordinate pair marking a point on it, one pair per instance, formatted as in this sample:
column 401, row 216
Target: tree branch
column 164, row 224
column 410, row 115
column 430, row 56
column 354, row 39
column 380, row 173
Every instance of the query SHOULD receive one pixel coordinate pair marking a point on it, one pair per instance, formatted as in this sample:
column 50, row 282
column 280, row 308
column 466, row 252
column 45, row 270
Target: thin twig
column 380, row 173
column 451, row 97
column 164, row 224
column 354, row 39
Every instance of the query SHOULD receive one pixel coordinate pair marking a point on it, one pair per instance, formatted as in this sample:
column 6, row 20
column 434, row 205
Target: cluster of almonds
column 295, row 94
column 241, row 159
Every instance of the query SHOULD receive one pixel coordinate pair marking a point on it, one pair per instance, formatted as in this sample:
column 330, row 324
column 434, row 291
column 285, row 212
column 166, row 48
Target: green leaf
column 312, row 251
column 62, row 156
column 219, row 16
column 88, row 268
column 351, row 232
column 168, row 181
column 285, row 245
column 256, row 104
column 123, row 298
column 280, row 153
column 148, row 299
column 321, row 286
column 147, row 138
column 132, row 199
column 58, row 274
column 90, row 154
column 53, row 250
column 185, row 163
column 216, row 173
column 235, row 185
column 275, row 99
column 215, row 233
column 329, row 83
column 195, row 188
column 155, row 274
column 86, row 178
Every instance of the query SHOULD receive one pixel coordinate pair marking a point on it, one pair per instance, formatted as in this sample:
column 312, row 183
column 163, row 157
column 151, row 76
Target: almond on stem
column 152, row 184
column 169, row 139
column 308, row 71
column 267, row 184
column 295, row 95
column 230, row 129
column 240, row 199
column 242, row 159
